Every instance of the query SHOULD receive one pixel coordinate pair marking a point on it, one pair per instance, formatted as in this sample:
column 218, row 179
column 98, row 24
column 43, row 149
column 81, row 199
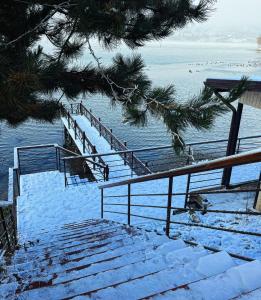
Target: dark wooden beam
column 226, row 85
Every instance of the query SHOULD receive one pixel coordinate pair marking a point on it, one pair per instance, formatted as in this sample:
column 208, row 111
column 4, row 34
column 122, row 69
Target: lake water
column 186, row 65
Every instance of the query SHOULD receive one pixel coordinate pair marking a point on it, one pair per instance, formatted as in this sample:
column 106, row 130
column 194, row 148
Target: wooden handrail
column 224, row 162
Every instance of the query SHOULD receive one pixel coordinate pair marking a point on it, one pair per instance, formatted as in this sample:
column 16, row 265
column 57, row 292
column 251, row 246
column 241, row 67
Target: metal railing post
column 100, row 126
column 238, row 145
column 56, row 157
column 107, row 172
column 111, row 138
column 189, row 154
column 75, row 124
column 64, row 170
column 91, row 117
column 80, row 104
column 94, row 151
column 59, row 159
column 129, row 204
column 132, row 163
column 125, row 144
column 187, row 191
column 83, row 141
column 18, row 160
column 169, row 206
column 71, row 108
column 102, row 203
column 18, row 181
column 68, row 117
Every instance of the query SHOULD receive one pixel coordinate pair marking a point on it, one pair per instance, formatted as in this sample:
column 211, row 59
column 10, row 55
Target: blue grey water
column 187, row 65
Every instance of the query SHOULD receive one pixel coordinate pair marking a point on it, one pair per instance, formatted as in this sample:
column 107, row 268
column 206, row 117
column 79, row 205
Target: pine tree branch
column 40, row 24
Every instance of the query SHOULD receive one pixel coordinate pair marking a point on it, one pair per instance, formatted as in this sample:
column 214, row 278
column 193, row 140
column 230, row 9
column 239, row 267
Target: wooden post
column 129, row 204
column 232, row 142
column 169, row 206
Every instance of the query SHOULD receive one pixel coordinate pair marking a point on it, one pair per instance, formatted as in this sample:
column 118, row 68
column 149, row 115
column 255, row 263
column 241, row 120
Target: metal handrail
column 229, row 161
column 112, row 138
column 137, row 150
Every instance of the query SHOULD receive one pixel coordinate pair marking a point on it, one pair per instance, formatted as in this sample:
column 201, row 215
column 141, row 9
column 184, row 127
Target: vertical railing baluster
column 102, row 203
column 83, row 141
column 56, row 157
column 68, row 117
column 189, row 154
column 107, row 172
column 169, row 206
column 100, row 126
column 132, row 163
column 125, row 158
column 18, row 181
column 64, row 170
column 238, row 145
column 129, row 204
column 80, row 105
column 59, row 159
column 111, row 138
column 75, row 133
column 187, row 191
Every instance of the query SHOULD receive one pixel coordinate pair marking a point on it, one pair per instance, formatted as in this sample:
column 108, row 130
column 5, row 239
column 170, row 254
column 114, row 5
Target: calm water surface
column 184, row 64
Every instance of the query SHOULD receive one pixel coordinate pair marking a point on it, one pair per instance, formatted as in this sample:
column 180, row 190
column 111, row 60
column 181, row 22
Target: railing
column 114, row 142
column 87, row 146
column 8, row 222
column 159, row 204
column 157, row 159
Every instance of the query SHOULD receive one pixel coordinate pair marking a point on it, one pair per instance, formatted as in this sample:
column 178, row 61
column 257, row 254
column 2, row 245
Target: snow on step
column 254, row 295
column 155, row 262
column 182, row 267
column 69, row 265
column 133, row 264
column 233, row 283
column 88, row 242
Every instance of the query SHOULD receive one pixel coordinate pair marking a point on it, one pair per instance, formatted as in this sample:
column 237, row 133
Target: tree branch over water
column 30, row 78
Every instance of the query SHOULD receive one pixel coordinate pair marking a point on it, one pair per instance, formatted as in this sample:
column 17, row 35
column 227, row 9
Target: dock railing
column 151, row 160
column 128, row 203
column 106, row 133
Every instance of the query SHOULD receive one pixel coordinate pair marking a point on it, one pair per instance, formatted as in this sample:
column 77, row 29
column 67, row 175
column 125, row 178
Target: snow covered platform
column 98, row 259
column 91, row 136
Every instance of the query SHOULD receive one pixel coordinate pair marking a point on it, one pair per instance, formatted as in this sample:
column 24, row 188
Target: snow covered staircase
column 99, row 259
